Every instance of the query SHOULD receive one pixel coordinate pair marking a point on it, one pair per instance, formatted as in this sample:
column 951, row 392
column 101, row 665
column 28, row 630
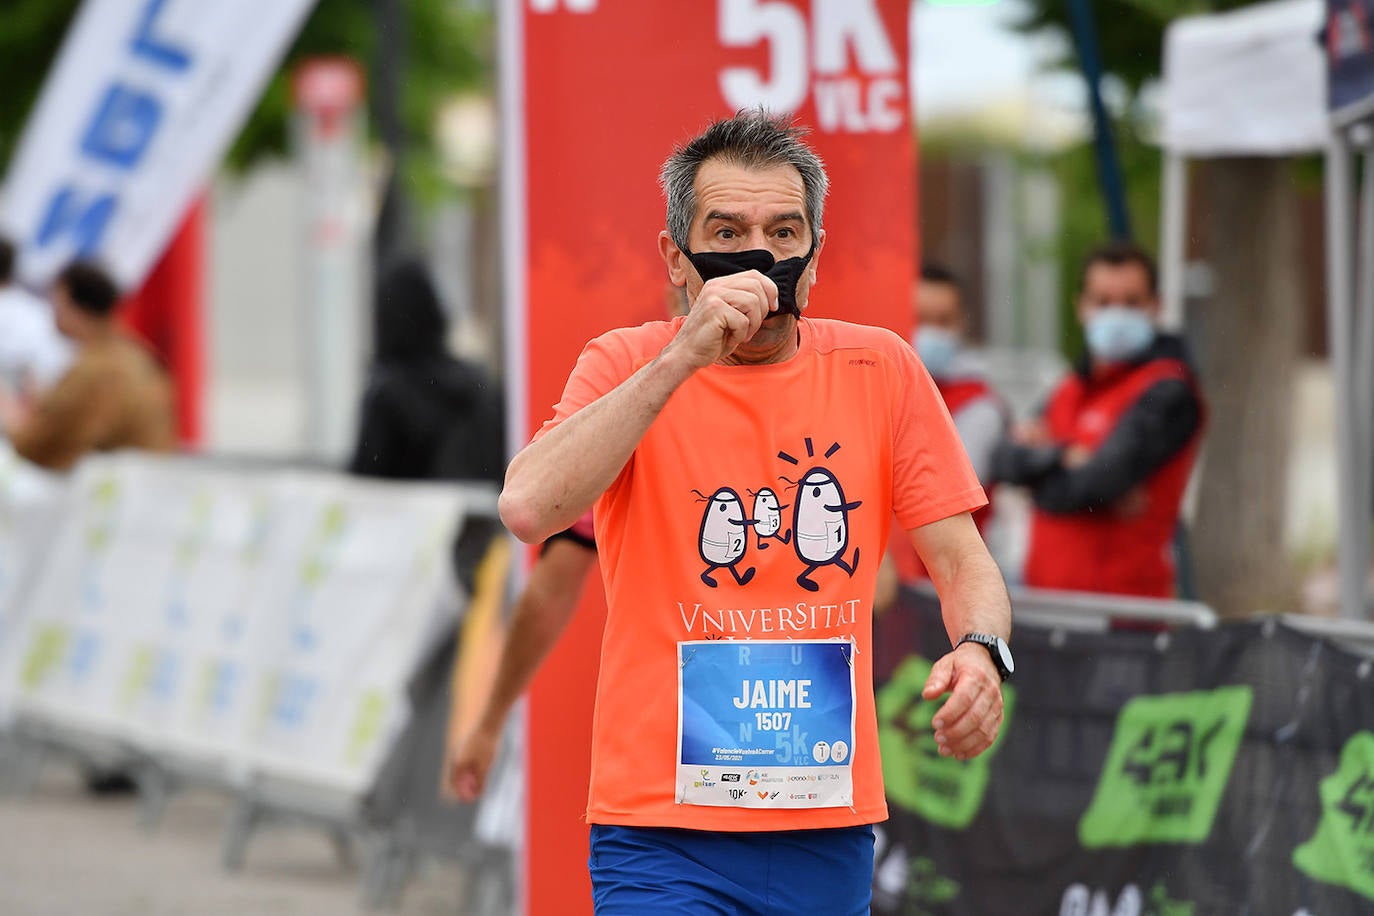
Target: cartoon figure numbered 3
column 768, row 518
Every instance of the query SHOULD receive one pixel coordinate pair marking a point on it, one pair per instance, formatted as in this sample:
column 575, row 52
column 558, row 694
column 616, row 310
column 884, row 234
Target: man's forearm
column 540, row 617
column 973, row 597
column 555, row 480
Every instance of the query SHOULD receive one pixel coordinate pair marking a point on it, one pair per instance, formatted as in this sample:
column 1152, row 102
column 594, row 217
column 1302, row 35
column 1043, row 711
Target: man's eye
column 786, row 233
column 725, row 233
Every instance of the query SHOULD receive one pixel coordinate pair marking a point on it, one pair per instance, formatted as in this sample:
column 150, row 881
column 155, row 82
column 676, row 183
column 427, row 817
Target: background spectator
column 114, row 396
column 427, row 415
column 33, row 355
column 1109, row 459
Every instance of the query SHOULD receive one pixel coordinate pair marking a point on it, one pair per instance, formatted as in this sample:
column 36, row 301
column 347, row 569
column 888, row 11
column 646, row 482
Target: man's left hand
column 968, row 722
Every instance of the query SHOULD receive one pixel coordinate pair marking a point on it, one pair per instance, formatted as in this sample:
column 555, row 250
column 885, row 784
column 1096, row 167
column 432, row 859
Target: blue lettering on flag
column 158, row 50
column 123, row 126
column 84, row 219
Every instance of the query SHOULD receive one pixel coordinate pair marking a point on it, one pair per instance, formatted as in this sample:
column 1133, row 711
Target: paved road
column 64, row 852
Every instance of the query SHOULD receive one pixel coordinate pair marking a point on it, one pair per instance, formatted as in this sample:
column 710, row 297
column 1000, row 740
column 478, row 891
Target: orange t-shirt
column 854, row 404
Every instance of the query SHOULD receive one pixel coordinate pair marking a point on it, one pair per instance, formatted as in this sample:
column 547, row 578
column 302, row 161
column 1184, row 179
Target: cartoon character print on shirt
column 768, row 517
column 819, row 532
column 724, row 536
column 820, row 520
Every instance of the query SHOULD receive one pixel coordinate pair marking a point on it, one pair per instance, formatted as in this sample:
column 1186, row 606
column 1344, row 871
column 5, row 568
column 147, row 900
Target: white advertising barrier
column 354, row 605
column 31, row 503
column 135, row 115
column 256, row 623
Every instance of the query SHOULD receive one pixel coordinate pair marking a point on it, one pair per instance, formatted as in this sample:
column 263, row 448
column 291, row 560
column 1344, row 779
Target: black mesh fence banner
column 1225, row 771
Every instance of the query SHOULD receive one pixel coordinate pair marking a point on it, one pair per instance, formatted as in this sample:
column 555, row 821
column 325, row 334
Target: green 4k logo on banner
column 942, row 790
column 1167, row 768
column 1342, row 850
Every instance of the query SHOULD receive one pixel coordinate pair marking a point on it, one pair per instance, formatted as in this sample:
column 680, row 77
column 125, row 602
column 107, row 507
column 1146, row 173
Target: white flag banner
column 143, row 100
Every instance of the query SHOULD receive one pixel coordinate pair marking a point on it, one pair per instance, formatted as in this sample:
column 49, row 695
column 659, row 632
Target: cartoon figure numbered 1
column 820, row 520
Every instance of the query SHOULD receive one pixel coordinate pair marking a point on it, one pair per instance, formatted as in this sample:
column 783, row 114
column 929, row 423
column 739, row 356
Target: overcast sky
column 967, row 57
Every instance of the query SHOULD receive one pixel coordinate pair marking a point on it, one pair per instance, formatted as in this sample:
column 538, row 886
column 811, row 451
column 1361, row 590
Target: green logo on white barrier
column 45, row 655
column 942, row 790
column 1341, row 852
column 1167, row 768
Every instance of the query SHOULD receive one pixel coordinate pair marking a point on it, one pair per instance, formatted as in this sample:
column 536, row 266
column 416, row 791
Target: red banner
column 597, row 94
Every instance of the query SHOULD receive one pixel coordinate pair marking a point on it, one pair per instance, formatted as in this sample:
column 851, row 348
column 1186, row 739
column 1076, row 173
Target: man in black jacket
column 427, row 415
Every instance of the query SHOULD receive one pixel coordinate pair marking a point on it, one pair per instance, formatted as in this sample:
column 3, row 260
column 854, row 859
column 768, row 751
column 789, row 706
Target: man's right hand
column 727, row 312
column 470, row 762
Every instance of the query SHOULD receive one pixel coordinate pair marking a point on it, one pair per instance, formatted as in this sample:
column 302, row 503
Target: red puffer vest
column 1126, row 549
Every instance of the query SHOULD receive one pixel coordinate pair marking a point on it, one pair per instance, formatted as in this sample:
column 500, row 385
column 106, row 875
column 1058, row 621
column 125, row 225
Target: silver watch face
column 1005, row 652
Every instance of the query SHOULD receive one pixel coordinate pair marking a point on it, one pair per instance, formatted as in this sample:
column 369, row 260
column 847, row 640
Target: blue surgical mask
column 1117, row 333
column 937, row 348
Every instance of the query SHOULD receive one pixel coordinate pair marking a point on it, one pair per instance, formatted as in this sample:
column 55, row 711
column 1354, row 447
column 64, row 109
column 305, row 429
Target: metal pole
column 1108, row 167
column 1173, row 251
column 391, row 234
column 1362, row 391
column 1340, row 296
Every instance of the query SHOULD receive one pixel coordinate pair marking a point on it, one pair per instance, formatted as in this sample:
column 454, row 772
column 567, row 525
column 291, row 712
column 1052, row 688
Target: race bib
column 766, row 724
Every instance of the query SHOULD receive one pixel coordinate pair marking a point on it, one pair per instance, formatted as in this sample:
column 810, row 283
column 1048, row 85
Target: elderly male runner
column 744, row 463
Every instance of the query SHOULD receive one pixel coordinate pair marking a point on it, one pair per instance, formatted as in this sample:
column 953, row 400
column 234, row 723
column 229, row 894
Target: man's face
column 1125, row 284
column 740, row 209
column 937, row 305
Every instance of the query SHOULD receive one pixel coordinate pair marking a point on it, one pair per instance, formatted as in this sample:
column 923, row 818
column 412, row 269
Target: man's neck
column 96, row 332
column 778, row 347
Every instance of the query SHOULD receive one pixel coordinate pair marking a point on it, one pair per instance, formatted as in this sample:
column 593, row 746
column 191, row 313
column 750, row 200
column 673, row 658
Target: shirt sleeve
column 932, row 476
column 605, row 363
column 1155, row 429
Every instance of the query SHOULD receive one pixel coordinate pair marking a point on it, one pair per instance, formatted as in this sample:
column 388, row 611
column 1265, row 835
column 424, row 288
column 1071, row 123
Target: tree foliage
column 446, row 50
column 30, row 35
column 1130, row 33
column 1130, row 38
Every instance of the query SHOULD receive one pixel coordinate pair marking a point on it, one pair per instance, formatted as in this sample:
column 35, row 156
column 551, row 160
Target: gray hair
column 753, row 138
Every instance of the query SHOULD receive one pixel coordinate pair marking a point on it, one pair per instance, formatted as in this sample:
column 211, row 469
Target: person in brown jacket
column 114, row 395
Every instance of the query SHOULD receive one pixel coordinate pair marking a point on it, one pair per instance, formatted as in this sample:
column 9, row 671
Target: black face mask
column 785, row 273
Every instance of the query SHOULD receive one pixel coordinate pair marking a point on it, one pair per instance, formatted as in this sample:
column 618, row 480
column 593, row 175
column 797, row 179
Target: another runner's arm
column 541, row 614
column 1155, row 429
column 973, row 599
column 557, row 477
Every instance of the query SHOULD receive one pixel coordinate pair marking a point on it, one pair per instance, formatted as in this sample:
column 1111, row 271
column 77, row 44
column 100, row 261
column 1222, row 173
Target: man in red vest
column 1109, row 459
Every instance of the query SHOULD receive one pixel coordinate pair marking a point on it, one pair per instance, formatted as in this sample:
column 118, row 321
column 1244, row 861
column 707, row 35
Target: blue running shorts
column 637, row 871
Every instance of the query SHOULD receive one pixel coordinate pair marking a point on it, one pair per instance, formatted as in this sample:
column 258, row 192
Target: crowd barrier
column 274, row 632
column 1209, row 768
column 289, row 636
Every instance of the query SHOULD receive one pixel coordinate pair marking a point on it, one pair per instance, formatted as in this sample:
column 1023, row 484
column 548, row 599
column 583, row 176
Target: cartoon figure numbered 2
column 724, row 535
column 768, row 518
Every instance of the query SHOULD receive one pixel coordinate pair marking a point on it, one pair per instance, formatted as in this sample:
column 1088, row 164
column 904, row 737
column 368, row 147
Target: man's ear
column 672, row 255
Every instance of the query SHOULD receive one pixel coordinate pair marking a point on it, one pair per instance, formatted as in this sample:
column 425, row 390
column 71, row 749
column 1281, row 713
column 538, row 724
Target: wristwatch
column 997, row 647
